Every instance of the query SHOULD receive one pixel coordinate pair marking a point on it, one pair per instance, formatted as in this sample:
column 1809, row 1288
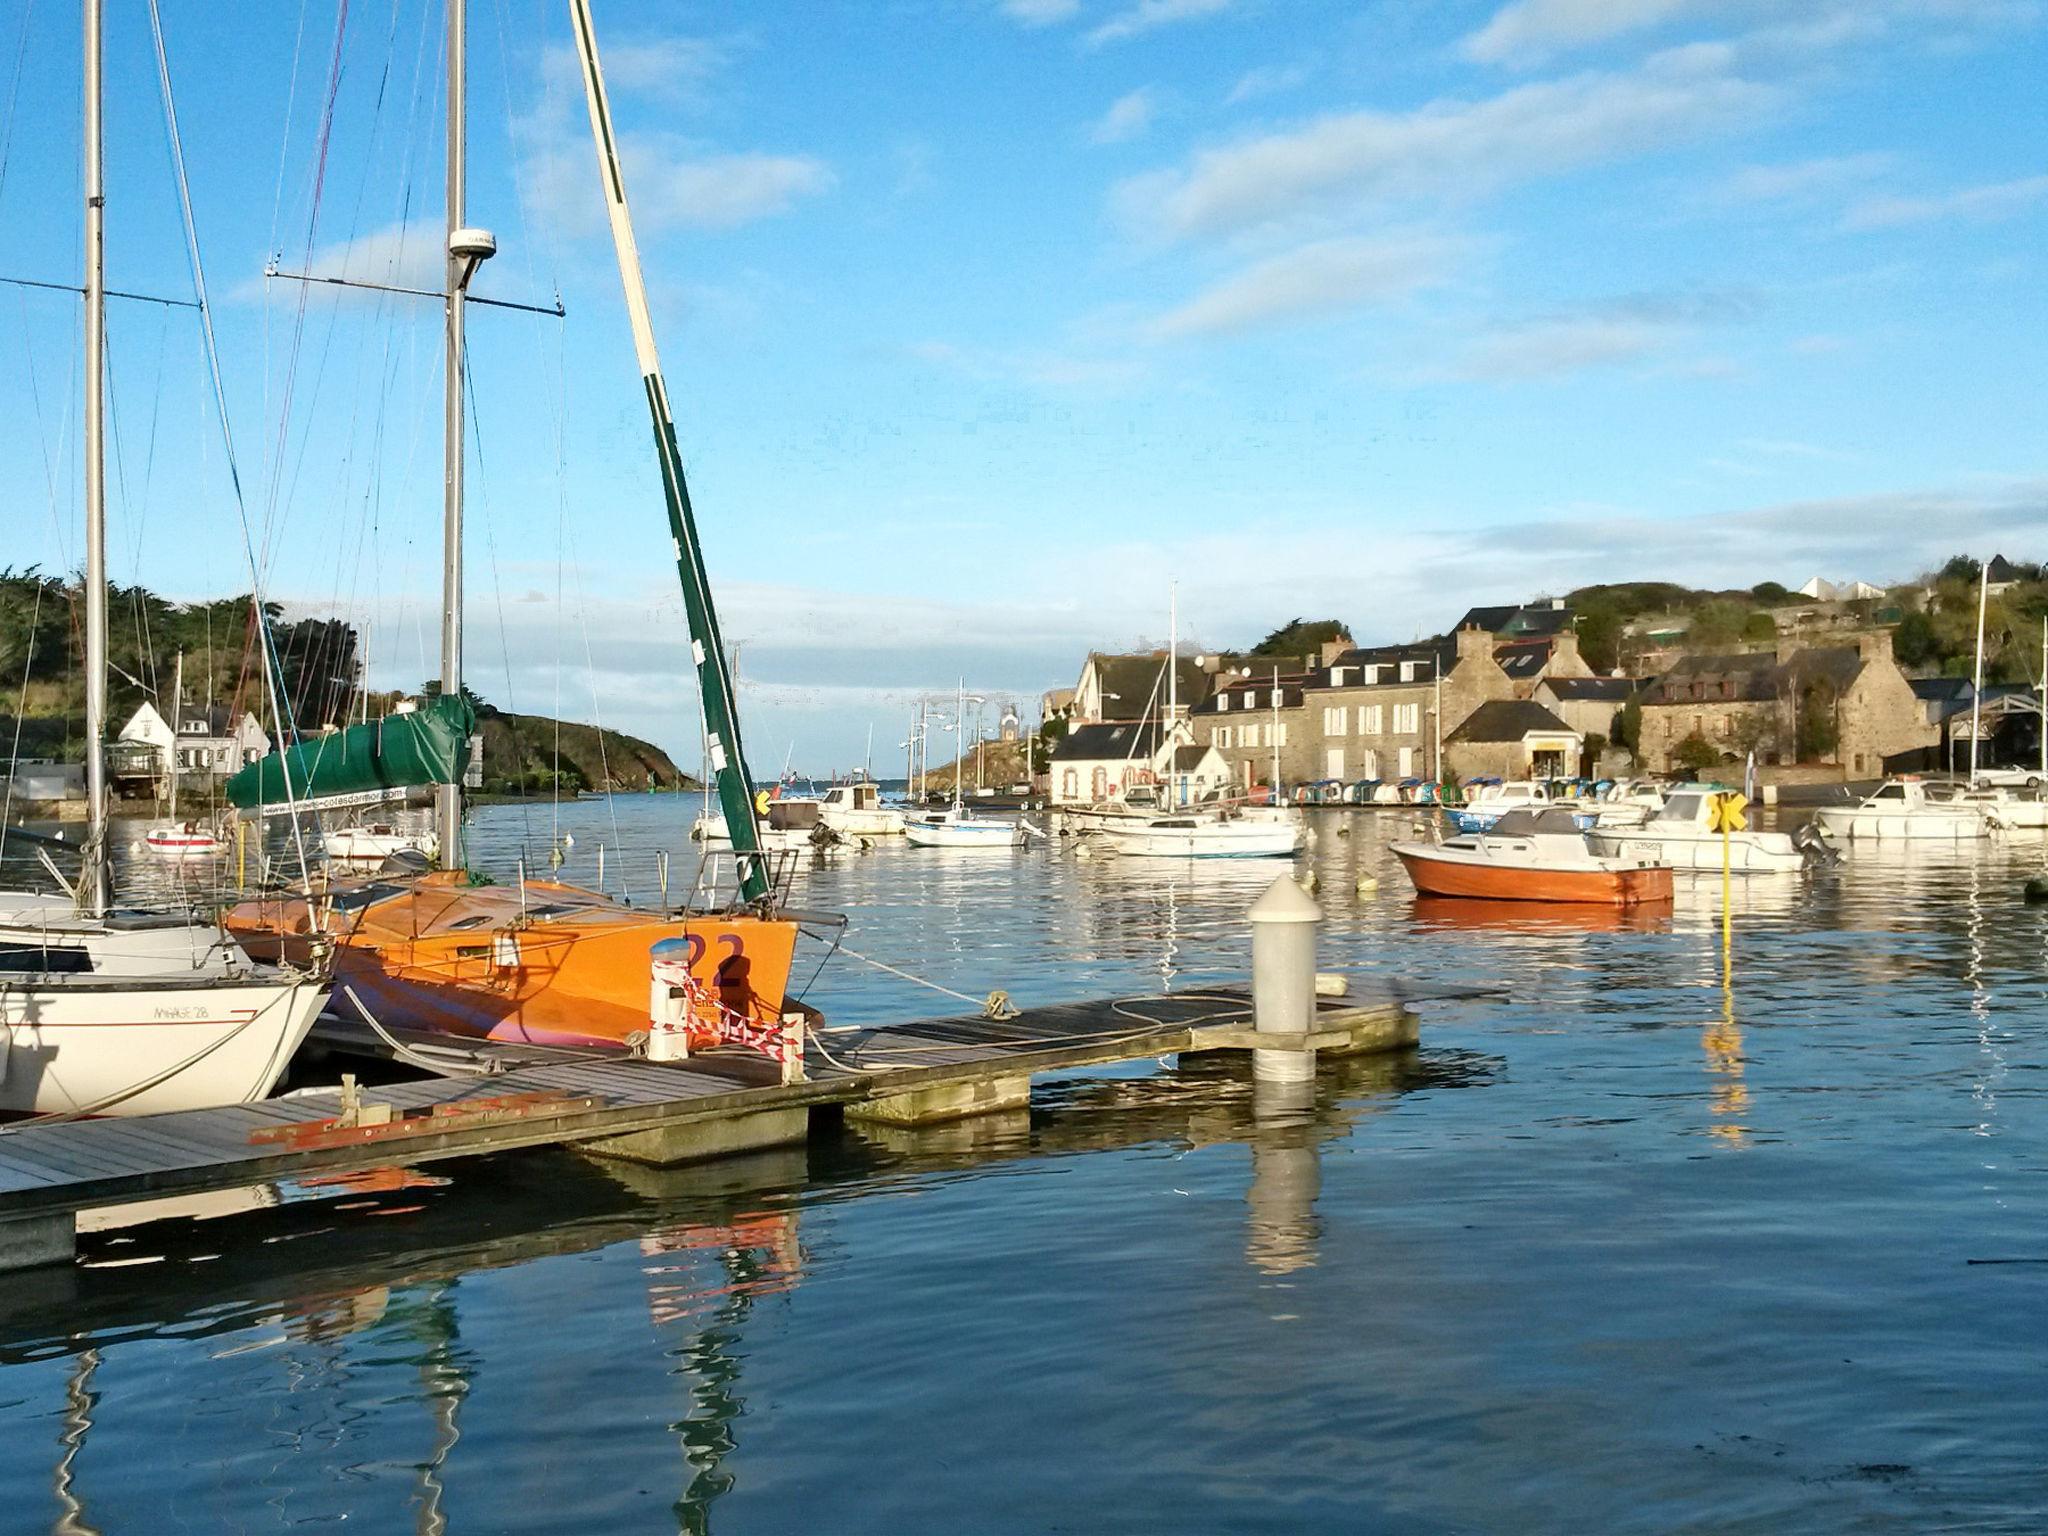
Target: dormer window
column 1372, row 676
column 1407, row 671
column 1222, row 702
column 1336, row 677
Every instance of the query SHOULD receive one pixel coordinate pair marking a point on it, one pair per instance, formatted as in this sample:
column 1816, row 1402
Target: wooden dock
column 726, row 1101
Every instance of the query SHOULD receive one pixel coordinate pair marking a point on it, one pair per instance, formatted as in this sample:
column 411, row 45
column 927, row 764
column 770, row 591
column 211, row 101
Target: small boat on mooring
column 1682, row 835
column 183, row 840
column 1906, row 807
column 958, row 827
column 1532, row 856
column 1211, row 835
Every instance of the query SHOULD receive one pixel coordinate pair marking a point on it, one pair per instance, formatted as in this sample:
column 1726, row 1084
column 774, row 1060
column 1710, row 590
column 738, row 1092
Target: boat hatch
column 552, row 909
column 474, row 920
column 362, row 896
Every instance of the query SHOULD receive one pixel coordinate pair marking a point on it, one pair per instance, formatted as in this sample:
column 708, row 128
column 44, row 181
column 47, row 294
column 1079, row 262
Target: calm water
column 1624, row 1252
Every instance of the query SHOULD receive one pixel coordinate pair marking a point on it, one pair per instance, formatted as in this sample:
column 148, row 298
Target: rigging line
column 14, row 94
column 483, row 485
column 57, row 521
column 35, row 614
column 271, row 675
column 284, row 410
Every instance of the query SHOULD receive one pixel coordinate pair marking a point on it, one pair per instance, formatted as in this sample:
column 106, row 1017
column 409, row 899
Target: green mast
column 714, row 677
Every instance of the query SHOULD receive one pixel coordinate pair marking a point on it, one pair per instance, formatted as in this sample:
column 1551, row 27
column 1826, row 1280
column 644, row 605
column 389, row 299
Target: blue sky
column 986, row 318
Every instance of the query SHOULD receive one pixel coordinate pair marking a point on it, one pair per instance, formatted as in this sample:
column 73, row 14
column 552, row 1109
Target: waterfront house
column 1093, row 762
column 1372, row 712
column 1848, row 708
column 1513, row 739
column 1131, row 687
column 207, row 741
column 1587, row 704
column 1250, row 720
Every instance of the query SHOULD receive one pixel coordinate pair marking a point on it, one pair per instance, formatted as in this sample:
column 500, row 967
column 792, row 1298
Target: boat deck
column 908, row 1073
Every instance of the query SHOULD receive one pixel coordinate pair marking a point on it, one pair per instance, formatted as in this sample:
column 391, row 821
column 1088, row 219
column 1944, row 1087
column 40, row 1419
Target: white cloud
column 1039, row 13
column 1147, row 15
column 719, row 191
column 1528, row 31
column 1266, row 80
column 1551, row 348
column 1448, row 147
column 1318, row 278
column 1128, row 117
column 1802, row 179
column 1985, row 204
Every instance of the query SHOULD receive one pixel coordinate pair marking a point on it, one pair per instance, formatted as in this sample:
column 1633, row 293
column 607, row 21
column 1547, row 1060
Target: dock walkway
column 720, row 1102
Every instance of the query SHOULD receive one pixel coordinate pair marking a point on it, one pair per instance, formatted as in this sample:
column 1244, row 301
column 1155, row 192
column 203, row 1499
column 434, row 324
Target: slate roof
column 1187, row 759
column 1428, row 656
column 1260, row 689
column 1110, row 742
column 1514, row 621
column 1748, row 677
column 1591, row 690
column 2002, row 569
column 1132, row 679
column 1500, row 720
column 1840, row 665
column 1523, row 659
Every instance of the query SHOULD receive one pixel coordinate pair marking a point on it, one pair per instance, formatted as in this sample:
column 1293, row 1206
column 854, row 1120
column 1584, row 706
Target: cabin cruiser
column 1629, row 803
column 374, row 841
column 1680, row 834
column 1533, row 856
column 856, row 810
column 959, row 827
column 1906, row 807
column 2006, row 807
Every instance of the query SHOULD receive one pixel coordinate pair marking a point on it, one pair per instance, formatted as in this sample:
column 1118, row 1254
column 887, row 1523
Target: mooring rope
column 996, row 1005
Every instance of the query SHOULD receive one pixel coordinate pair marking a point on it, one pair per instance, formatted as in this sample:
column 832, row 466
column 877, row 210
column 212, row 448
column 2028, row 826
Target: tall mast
column 2041, row 693
column 714, row 680
column 448, row 797
column 177, row 726
column 93, row 882
column 959, row 737
column 1273, row 731
column 1172, row 684
column 1977, row 684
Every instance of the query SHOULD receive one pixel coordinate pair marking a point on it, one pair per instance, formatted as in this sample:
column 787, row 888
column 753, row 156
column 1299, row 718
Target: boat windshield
column 1681, row 808
column 1890, row 792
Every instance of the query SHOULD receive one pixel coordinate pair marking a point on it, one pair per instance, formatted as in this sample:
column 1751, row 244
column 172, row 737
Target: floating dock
column 725, row 1101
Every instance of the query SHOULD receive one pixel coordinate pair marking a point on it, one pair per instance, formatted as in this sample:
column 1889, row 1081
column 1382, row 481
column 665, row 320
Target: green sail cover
column 428, row 745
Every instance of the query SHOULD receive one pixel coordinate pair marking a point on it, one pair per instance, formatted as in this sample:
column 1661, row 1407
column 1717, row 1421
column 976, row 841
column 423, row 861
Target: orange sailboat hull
column 1495, row 882
column 556, row 965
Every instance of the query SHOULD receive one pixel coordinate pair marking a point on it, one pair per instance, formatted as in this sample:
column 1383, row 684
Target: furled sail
column 714, row 675
column 361, row 764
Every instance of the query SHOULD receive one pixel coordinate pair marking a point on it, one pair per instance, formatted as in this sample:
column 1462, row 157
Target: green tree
column 1628, row 727
column 1760, row 628
column 1717, row 622
column 1595, row 745
column 1819, row 733
column 1771, row 593
column 1960, row 568
column 1695, row 754
column 1300, row 637
column 1599, row 631
column 1914, row 643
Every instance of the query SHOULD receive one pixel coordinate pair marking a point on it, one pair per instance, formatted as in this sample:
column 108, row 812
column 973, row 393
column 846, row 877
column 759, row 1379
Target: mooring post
column 1284, row 922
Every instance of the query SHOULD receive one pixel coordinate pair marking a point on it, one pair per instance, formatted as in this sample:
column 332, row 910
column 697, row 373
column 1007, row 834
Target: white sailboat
column 957, row 826
column 180, row 839
column 107, row 1011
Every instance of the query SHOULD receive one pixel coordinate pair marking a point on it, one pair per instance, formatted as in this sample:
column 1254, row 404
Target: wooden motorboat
column 1532, row 856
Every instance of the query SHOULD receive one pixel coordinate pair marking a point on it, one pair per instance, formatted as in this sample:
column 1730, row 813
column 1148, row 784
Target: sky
column 986, row 320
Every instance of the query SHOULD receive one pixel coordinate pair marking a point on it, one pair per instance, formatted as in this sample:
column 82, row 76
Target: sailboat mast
column 1977, row 683
column 448, row 797
column 93, row 882
column 1172, row 685
column 177, row 726
column 714, row 680
column 959, row 737
column 1273, row 733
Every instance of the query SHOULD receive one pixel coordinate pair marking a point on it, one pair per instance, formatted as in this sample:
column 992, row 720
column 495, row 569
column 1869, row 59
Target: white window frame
column 1336, row 721
column 1406, row 760
column 1221, row 737
column 1371, row 720
column 1407, row 671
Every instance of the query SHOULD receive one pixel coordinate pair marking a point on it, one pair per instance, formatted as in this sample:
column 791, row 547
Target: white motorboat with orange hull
column 1532, row 857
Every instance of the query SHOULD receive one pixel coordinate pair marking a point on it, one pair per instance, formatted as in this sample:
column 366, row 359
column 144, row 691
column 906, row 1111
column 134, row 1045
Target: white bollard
column 1284, row 922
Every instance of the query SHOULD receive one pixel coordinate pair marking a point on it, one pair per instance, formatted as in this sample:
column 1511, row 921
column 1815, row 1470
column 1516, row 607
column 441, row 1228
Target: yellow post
column 241, row 854
column 1725, row 816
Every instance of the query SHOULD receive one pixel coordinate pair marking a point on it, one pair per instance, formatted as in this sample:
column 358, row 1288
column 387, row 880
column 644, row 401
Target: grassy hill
column 520, row 757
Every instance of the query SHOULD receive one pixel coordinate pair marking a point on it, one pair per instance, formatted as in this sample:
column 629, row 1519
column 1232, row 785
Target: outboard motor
column 1812, row 842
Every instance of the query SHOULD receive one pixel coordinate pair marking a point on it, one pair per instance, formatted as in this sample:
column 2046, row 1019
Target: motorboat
column 1490, row 802
column 958, row 827
column 1628, row 803
column 1133, row 802
column 183, row 840
column 373, row 842
column 1210, row 835
column 1680, row 835
column 786, row 826
column 1532, row 856
column 1906, row 807
column 856, row 810
column 2005, row 806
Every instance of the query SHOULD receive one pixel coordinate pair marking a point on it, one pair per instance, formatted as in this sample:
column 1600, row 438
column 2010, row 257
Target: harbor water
column 1647, row 1242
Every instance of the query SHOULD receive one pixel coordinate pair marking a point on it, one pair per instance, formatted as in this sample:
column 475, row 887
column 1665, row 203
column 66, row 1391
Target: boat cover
column 428, row 745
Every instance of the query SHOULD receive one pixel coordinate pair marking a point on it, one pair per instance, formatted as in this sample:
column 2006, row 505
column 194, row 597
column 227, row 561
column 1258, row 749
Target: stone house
column 1513, row 739
column 1587, row 704
column 1528, row 662
column 1848, row 707
column 1372, row 714
column 1247, row 721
